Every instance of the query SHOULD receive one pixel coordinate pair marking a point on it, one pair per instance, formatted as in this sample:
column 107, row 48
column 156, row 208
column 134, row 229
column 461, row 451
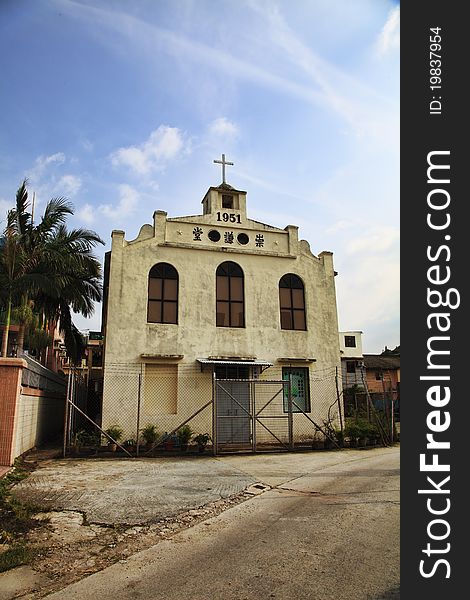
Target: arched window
column 230, row 296
column 292, row 302
column 163, row 294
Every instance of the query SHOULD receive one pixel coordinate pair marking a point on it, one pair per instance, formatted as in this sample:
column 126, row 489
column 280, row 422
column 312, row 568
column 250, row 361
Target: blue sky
column 123, row 106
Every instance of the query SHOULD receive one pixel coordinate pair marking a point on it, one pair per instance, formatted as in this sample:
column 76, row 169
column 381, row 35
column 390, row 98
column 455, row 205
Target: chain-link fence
column 371, row 416
column 152, row 408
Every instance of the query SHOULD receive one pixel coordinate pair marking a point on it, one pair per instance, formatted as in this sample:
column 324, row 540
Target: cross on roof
column 223, row 162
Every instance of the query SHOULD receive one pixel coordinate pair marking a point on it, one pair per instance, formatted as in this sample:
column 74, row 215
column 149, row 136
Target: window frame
column 163, row 300
column 349, row 369
column 290, row 307
column 230, row 267
column 347, row 341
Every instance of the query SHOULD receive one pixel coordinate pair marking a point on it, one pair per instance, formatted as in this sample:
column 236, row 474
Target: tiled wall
column 10, row 380
column 39, row 418
column 28, row 416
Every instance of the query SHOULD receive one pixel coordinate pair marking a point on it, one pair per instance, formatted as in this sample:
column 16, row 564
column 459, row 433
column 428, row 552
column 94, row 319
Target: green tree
column 49, row 268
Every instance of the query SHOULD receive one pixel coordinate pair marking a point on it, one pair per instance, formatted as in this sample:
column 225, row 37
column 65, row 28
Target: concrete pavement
column 132, row 491
column 147, row 490
column 328, row 531
column 135, row 491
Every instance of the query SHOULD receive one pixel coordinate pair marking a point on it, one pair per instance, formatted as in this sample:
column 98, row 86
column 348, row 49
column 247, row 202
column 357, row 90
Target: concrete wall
column 347, row 351
column 40, row 417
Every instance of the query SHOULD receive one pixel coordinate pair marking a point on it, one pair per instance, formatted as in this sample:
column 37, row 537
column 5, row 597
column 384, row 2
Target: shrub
column 202, row 438
column 184, row 434
column 114, row 432
column 150, row 433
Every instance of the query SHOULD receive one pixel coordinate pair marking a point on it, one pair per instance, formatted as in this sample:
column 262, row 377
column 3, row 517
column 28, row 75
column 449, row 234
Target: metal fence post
column 253, row 416
column 66, row 416
column 214, row 415
column 290, row 413
column 339, row 401
column 72, row 414
column 139, row 389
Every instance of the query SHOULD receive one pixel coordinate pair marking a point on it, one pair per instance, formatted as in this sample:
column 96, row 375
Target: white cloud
column 162, row 145
column 378, row 240
column 42, row 162
column 87, row 214
column 68, row 185
column 389, row 37
column 126, row 205
column 154, row 186
column 87, row 145
column 325, row 85
column 340, row 225
column 223, row 127
column 371, row 285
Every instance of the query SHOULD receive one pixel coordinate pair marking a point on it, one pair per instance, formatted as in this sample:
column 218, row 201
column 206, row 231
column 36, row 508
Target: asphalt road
column 332, row 533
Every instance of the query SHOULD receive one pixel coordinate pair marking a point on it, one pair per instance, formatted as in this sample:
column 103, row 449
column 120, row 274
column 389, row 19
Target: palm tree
column 49, row 268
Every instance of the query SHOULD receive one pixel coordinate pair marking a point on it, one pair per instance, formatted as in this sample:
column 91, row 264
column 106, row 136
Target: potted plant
column 150, row 434
column 85, row 440
column 115, row 433
column 130, row 445
column 367, row 432
column 201, row 440
column 317, row 443
column 339, row 436
column 352, row 432
column 184, row 434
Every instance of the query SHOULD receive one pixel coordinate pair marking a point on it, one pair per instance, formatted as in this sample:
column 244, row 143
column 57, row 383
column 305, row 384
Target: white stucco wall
column 129, row 336
column 347, row 351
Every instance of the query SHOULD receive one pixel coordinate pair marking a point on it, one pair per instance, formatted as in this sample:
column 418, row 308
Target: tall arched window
column 292, row 302
column 163, row 294
column 230, row 296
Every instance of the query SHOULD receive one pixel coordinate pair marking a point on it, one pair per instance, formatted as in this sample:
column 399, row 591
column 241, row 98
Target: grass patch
column 15, row 556
column 16, row 520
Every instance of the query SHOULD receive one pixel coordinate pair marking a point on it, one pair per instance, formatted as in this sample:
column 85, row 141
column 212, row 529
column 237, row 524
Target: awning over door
column 245, row 362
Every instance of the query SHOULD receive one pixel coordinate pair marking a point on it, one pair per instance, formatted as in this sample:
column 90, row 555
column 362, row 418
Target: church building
column 219, row 297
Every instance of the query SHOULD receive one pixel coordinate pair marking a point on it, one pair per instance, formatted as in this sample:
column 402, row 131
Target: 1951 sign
column 228, row 217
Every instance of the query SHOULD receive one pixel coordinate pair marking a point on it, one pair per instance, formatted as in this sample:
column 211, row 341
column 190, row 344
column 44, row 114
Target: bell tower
column 224, row 198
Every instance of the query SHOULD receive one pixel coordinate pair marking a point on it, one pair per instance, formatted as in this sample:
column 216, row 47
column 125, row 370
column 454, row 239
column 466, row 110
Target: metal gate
column 252, row 414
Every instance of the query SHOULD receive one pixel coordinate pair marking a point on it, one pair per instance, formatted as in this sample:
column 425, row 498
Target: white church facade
column 218, row 296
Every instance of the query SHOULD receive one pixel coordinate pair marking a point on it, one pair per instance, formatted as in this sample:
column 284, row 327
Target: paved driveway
column 131, row 491
column 331, row 532
column 137, row 491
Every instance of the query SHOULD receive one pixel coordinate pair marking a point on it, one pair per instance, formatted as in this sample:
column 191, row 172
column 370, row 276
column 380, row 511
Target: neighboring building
column 352, row 366
column 12, row 335
column 214, row 295
column 52, row 354
column 383, row 374
column 94, row 356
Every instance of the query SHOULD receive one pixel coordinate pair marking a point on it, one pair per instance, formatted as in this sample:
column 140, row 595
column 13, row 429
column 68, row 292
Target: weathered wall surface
column 129, row 336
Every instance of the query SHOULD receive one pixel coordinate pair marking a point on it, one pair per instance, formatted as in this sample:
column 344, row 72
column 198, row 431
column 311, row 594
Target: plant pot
column 112, row 447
